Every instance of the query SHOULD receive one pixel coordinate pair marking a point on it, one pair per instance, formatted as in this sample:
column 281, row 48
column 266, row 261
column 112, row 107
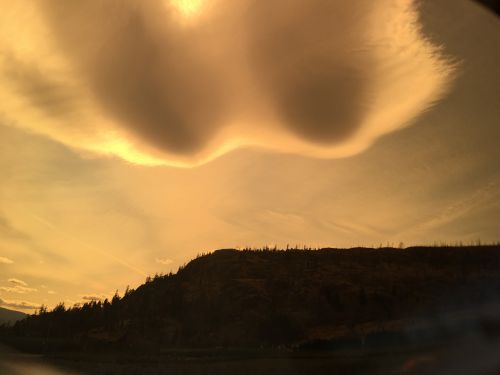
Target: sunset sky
column 134, row 135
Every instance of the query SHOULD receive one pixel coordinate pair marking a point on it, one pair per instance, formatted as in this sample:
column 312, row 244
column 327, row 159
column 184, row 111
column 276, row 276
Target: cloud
column 9, row 231
column 152, row 85
column 51, row 292
column 17, row 289
column 17, row 282
column 4, row 260
column 484, row 196
column 87, row 297
column 164, row 261
column 20, row 287
column 16, row 304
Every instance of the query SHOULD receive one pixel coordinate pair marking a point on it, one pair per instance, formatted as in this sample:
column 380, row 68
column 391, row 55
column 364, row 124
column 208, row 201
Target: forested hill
column 10, row 316
column 270, row 298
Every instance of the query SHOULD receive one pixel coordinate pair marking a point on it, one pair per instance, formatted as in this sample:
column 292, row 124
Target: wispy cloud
column 17, row 282
column 4, row 260
column 164, row 261
column 8, row 230
column 17, row 289
column 17, row 304
column 19, row 286
column 483, row 196
column 72, row 238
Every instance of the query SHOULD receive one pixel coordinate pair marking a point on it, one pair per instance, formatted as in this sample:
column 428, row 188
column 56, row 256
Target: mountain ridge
column 10, row 316
column 293, row 298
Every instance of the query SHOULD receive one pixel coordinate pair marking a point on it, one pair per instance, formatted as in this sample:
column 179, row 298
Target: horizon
column 304, row 248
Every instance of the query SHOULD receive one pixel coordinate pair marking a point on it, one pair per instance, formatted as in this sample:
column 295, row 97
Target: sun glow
column 187, row 7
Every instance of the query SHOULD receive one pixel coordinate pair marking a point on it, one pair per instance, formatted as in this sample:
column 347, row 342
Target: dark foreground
column 471, row 355
column 417, row 310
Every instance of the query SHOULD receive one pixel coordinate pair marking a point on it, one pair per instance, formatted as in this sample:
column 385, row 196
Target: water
column 15, row 363
column 471, row 356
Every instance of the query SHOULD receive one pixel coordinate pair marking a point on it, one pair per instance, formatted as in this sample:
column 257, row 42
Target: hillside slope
column 10, row 316
column 269, row 298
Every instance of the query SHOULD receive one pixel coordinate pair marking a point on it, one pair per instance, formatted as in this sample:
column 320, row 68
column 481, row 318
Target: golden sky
column 134, row 135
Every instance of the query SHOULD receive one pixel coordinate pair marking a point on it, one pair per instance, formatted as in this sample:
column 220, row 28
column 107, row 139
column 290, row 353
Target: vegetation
column 272, row 298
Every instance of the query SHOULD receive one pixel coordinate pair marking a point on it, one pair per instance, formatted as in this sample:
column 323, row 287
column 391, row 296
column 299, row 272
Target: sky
column 134, row 136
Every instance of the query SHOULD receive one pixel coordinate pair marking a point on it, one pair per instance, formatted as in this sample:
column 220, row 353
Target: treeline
column 269, row 298
column 64, row 322
column 73, row 321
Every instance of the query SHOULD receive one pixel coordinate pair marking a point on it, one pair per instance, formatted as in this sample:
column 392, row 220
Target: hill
column 301, row 299
column 10, row 316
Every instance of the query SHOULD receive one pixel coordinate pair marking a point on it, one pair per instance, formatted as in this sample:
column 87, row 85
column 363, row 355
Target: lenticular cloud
column 180, row 83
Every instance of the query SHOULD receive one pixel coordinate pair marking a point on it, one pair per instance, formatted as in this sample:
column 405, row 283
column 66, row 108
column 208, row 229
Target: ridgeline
column 10, row 316
column 324, row 298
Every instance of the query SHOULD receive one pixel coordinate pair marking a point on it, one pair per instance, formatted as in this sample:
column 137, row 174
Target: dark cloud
column 142, row 81
column 156, row 83
column 140, row 72
column 317, row 84
column 40, row 89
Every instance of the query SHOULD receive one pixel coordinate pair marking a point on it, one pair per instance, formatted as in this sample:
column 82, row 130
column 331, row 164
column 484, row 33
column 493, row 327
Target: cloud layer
column 17, row 304
column 17, row 282
column 158, row 83
column 19, row 287
column 4, row 260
